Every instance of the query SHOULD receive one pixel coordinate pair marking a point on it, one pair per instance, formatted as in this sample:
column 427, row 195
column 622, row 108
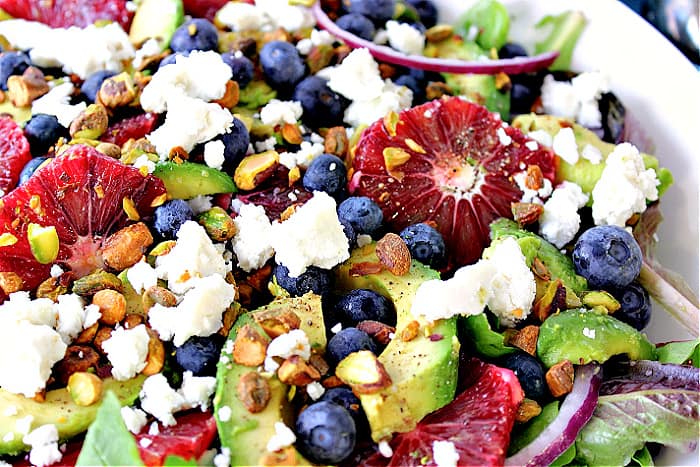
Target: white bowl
column 661, row 88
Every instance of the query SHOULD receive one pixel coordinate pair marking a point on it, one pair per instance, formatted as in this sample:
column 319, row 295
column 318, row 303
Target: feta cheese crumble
column 127, row 350
column 57, row 102
column 44, row 443
column 357, row 77
column 193, row 256
column 312, row 236
column 134, row 418
column 502, row 280
column 252, row 243
column 307, row 152
column 294, row 342
column 160, row 400
column 577, row 99
column 624, row 187
column 277, row 112
column 560, row 220
column 282, row 438
column 445, row 454
column 405, row 38
column 198, row 314
column 214, row 154
column 564, row 145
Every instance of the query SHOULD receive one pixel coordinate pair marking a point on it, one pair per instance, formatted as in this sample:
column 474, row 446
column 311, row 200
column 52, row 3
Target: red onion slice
column 574, row 413
column 511, row 66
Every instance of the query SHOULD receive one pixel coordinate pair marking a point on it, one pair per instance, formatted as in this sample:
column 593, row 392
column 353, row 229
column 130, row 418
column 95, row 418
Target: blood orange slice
column 448, row 161
column 66, row 13
column 83, row 194
column 14, row 154
column 478, row 422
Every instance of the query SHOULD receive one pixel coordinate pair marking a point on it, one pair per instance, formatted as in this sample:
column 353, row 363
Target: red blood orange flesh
column 66, row 13
column 14, row 154
column 449, row 161
column 478, row 422
column 134, row 127
column 81, row 193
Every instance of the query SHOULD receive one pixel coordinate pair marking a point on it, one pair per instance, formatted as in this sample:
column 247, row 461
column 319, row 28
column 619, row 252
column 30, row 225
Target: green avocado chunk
column 185, row 180
column 156, row 19
column 533, row 246
column 584, row 173
column 423, row 370
column 58, row 409
column 583, row 336
column 246, row 434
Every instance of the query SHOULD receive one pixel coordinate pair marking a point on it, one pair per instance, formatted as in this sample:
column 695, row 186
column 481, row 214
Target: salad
column 327, row 233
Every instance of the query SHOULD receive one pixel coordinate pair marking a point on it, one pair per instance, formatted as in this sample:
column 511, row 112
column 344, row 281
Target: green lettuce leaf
column 680, row 352
column 108, row 441
column 643, row 458
column 566, row 29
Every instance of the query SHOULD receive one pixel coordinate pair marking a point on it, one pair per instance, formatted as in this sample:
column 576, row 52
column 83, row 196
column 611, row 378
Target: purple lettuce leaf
column 642, row 402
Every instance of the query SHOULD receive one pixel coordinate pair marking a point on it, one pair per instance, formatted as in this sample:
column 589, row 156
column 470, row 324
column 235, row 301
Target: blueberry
column 364, row 215
column 347, row 341
column 635, row 305
column 322, row 106
column 607, row 256
column 325, row 432
column 427, row 11
column 314, row 280
column 92, row 84
column 195, row 34
column 529, row 372
column 512, row 50
column 170, row 215
column 345, row 398
column 364, row 304
column 282, row 65
column 414, row 85
column 236, row 143
column 12, row 63
column 425, row 244
column 326, row 173
column 521, row 98
column 42, row 132
column 200, row 354
column 378, row 11
column 241, row 67
column 29, row 168
column 349, row 232
column 357, row 24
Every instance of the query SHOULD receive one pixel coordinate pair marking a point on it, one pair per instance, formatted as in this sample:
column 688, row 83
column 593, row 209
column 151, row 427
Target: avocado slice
column 584, row 173
column 423, row 371
column 185, row 180
column 246, row 433
column 156, row 19
column 583, row 336
column 58, row 409
column 482, row 89
column 533, row 246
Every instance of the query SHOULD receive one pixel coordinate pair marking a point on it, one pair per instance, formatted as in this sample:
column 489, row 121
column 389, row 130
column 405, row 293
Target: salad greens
column 565, row 31
column 680, row 352
column 108, row 441
column 490, row 18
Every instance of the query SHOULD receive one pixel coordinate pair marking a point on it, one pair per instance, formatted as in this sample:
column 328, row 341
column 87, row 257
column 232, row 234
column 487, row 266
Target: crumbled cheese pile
column 560, row 220
column 357, row 78
column 34, row 335
column 184, row 89
column 501, row 280
column 624, row 187
column 577, row 99
column 82, row 51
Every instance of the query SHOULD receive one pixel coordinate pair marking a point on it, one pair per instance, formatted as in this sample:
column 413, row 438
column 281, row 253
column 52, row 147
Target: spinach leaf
column 108, row 441
column 172, row 461
column 680, row 352
column 643, row 458
column 565, row 31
